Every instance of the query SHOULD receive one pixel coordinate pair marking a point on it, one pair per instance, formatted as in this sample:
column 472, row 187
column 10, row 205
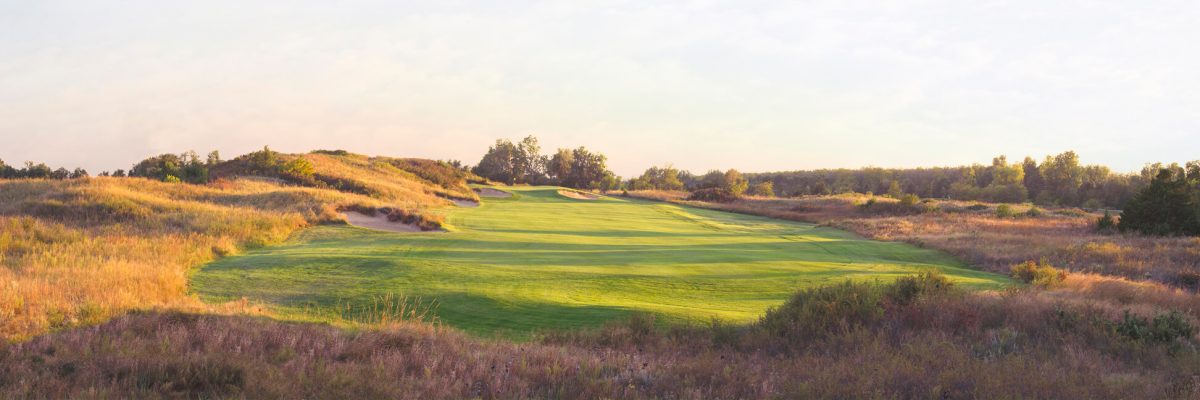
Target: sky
column 757, row 86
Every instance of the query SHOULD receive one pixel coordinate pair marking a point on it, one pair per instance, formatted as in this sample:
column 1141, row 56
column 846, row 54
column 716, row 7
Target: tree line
column 522, row 162
column 1057, row 180
column 39, row 171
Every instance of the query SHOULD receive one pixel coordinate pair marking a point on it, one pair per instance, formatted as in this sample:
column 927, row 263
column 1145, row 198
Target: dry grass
column 80, row 251
column 1023, row 344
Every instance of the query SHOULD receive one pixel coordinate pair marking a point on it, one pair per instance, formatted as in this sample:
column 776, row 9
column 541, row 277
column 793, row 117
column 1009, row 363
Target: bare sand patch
column 465, row 203
column 578, row 195
column 378, row 222
column 489, row 192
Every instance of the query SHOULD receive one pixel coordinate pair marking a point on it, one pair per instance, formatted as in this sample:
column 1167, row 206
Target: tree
column 79, row 173
column 60, row 174
column 497, row 163
column 764, row 189
column 120, row 173
column 711, row 179
column 36, row 171
column 527, row 163
column 587, row 169
column 1167, row 207
column 894, row 190
column 214, row 158
column 1032, row 177
column 558, row 168
column 1062, row 177
column 734, row 182
column 655, row 178
column 6, row 171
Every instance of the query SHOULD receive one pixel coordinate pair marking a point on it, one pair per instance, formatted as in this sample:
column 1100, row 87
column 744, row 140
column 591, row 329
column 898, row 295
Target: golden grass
column 77, row 252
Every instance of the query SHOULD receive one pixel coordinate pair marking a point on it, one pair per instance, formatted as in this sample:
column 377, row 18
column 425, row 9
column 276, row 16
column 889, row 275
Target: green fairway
column 539, row 260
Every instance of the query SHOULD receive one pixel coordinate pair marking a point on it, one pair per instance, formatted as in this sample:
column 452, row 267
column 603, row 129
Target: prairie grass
column 77, row 252
column 915, row 339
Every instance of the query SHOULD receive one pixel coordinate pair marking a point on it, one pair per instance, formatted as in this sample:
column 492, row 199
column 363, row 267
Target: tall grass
column 78, row 252
column 916, row 338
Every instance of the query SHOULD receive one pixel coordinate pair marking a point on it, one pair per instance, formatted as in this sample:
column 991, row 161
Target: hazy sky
column 756, row 86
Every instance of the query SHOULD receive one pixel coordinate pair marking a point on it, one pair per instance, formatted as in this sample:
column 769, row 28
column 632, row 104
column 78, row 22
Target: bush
column 718, row 195
column 1106, row 223
column 1005, row 211
column 977, row 207
column 1034, row 212
column 817, row 312
column 1165, row 328
column 909, row 200
column 909, row 288
column 298, row 167
column 1038, row 274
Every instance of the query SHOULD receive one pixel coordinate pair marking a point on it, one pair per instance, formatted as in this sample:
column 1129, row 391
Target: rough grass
column 80, row 251
column 915, row 339
column 541, row 261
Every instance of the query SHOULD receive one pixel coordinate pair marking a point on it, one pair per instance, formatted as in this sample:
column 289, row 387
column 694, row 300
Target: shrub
column 818, row 312
column 909, row 288
column 1165, row 328
column 1033, row 212
column 909, row 200
column 298, row 167
column 1005, row 211
column 1106, row 223
column 1038, row 274
column 977, row 207
column 719, row 195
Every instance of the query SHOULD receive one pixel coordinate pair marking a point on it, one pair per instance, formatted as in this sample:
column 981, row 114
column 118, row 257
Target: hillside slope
column 78, row 251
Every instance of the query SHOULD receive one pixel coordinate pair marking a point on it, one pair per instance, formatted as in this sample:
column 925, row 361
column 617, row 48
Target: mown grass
column 542, row 261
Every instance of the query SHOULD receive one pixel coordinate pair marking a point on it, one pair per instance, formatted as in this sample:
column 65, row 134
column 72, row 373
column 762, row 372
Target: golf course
column 540, row 260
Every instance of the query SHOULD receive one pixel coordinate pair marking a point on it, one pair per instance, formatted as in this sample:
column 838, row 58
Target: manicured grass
column 539, row 260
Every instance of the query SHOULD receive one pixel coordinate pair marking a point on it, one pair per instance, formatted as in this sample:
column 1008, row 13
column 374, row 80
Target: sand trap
column 378, row 222
column 578, row 195
column 489, row 192
column 465, row 203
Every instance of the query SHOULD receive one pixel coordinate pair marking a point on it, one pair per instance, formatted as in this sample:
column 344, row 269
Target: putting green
column 539, row 260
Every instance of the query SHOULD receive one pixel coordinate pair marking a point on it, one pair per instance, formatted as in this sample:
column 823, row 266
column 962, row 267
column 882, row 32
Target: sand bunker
column 578, row 195
column 465, row 203
column 489, row 192
column 377, row 222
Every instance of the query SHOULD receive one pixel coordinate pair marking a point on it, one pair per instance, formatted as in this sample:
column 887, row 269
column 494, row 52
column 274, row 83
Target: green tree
column 588, row 169
column 558, row 168
column 764, row 189
column 497, row 164
column 1167, row 207
column 734, row 183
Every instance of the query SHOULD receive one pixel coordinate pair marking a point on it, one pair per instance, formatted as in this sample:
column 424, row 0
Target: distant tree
column 79, row 173
column 711, row 179
column 1032, row 177
column 1062, row 176
column 764, row 189
column 655, row 178
column 120, row 173
column 734, row 183
column 610, row 182
column 6, row 171
column 214, row 158
column 588, row 169
column 1106, row 223
column 36, row 171
column 497, row 164
column 528, row 165
column 558, row 168
column 263, row 162
column 105, row 173
column 894, row 190
column 60, row 174
column 1169, row 206
column 185, row 167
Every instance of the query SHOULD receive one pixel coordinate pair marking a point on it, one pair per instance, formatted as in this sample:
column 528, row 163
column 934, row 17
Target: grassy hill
column 76, row 252
column 539, row 260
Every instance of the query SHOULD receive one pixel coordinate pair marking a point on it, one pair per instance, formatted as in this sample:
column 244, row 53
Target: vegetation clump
column 1170, row 206
column 1038, row 274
